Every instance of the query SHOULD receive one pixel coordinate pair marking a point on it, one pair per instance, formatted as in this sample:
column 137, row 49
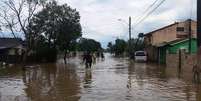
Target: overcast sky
column 99, row 18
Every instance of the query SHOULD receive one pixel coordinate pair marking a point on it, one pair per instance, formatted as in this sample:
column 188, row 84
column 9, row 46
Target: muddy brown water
column 114, row 79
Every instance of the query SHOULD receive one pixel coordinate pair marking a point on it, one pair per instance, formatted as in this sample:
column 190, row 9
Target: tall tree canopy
column 120, row 46
column 89, row 45
column 42, row 22
column 59, row 24
column 15, row 15
column 110, row 47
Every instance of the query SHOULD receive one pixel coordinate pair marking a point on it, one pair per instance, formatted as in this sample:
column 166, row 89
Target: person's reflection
column 187, row 92
column 87, row 78
column 198, row 92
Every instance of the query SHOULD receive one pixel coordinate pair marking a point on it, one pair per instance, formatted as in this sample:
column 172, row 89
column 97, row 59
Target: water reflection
column 114, row 79
column 11, row 84
column 162, row 82
column 198, row 92
column 51, row 82
column 88, row 78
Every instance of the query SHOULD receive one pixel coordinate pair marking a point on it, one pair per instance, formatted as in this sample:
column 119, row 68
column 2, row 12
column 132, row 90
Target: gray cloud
column 99, row 18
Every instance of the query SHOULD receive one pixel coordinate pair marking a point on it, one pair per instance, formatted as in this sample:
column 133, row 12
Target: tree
column 136, row 44
column 58, row 24
column 109, row 45
column 139, row 44
column 89, row 45
column 120, row 46
column 15, row 17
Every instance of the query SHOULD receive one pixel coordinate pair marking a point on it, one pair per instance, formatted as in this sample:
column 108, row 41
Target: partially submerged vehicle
column 140, row 56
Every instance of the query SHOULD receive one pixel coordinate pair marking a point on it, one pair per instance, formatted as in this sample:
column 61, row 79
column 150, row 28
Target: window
column 140, row 54
column 180, row 29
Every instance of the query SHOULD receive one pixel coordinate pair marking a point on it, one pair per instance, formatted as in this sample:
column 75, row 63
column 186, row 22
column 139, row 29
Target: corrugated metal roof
column 173, row 42
column 10, row 42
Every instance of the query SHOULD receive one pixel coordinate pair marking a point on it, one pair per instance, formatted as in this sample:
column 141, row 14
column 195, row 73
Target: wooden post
column 180, row 60
column 189, row 36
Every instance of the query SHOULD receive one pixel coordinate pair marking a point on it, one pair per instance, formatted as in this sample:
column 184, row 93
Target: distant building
column 156, row 39
column 11, row 50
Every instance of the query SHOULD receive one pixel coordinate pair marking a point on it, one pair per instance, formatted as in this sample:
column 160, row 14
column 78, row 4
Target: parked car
column 140, row 56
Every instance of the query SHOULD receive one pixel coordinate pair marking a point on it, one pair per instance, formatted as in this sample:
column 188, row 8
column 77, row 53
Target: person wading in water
column 94, row 58
column 102, row 56
column 196, row 73
column 87, row 58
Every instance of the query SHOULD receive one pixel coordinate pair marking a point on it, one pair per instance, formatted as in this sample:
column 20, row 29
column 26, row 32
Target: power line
column 148, row 14
column 151, row 5
column 147, row 9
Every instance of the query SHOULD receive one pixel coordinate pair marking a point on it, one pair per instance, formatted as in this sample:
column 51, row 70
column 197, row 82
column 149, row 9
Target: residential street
column 100, row 50
column 112, row 79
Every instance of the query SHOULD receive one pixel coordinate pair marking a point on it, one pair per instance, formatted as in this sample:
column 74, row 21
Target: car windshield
column 140, row 54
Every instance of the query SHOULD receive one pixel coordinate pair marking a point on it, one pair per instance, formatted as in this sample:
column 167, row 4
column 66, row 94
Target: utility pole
column 199, row 33
column 199, row 24
column 129, row 28
column 189, row 36
column 129, row 36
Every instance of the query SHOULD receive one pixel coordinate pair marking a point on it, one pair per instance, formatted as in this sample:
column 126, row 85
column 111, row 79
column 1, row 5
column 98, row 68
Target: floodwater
column 112, row 79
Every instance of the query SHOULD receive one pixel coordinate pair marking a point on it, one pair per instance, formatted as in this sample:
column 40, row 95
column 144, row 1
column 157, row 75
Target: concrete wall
column 187, row 61
column 152, row 53
column 165, row 35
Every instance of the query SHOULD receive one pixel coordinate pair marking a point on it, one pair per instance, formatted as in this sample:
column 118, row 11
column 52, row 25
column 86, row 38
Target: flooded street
column 112, row 79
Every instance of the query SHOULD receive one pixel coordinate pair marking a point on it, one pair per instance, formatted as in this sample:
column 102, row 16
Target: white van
column 141, row 56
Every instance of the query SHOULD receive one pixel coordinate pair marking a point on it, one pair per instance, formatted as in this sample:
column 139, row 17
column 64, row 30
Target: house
column 11, row 50
column 174, row 47
column 177, row 31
